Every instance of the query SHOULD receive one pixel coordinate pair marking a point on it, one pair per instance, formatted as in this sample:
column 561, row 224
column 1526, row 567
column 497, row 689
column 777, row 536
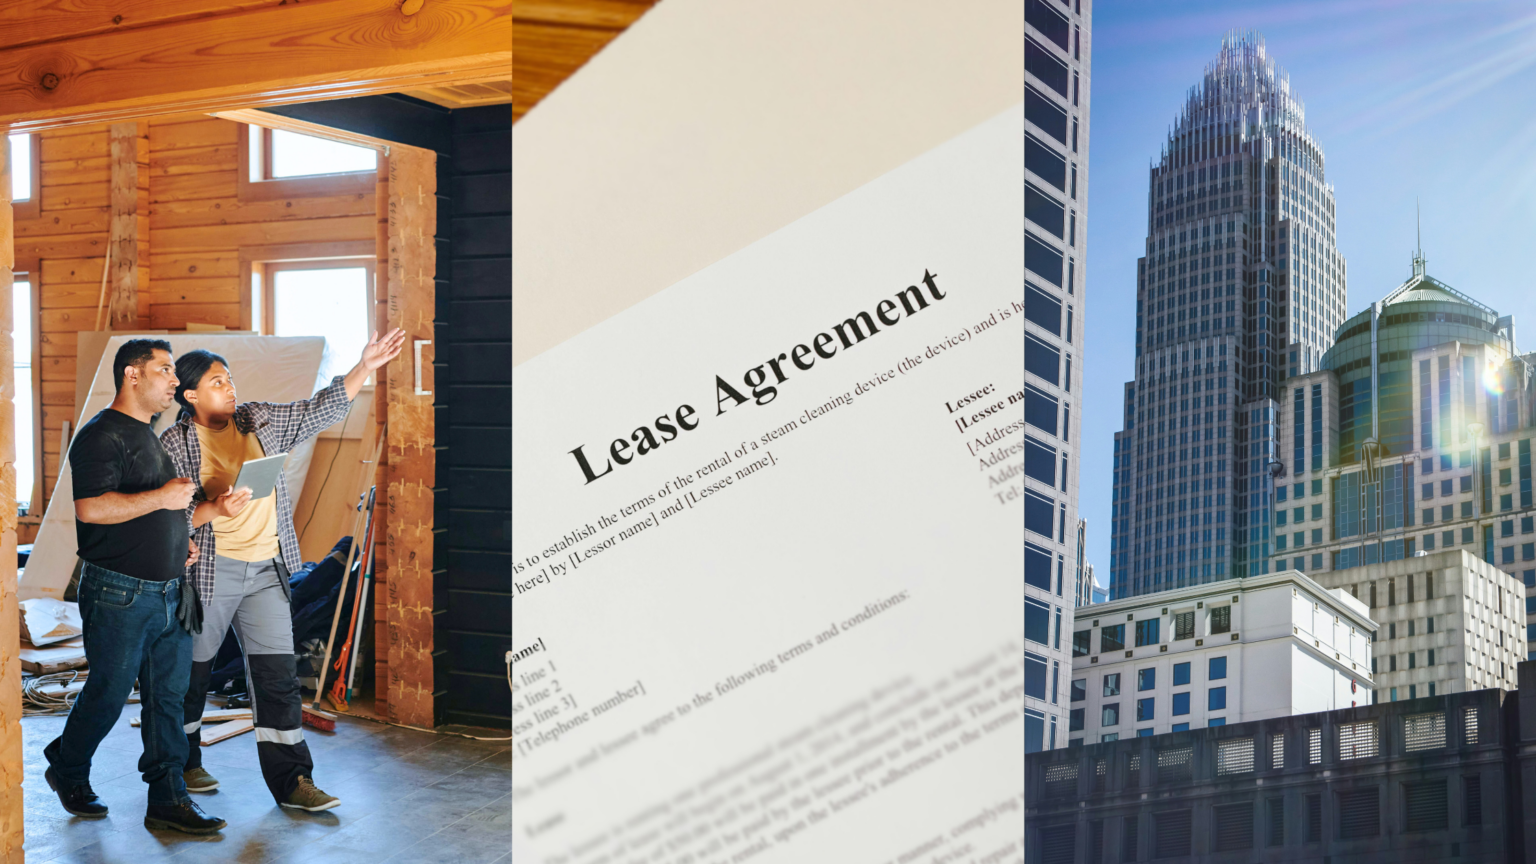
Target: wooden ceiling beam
column 252, row 57
column 269, row 120
column 32, row 23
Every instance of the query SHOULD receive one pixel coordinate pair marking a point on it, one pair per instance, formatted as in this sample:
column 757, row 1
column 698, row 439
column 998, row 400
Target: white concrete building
column 1447, row 622
column 1244, row 649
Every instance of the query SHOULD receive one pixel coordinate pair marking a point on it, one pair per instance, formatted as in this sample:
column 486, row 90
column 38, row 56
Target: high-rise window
column 1470, row 382
column 1444, row 366
column 1298, row 431
column 1221, row 619
column 1184, row 626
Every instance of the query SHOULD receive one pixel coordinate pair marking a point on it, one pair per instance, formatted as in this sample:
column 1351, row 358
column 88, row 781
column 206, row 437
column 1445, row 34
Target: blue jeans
column 131, row 631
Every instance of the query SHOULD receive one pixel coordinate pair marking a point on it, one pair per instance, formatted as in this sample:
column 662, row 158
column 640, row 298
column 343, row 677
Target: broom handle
column 106, row 270
column 325, row 663
column 351, row 553
column 345, row 654
column 367, row 538
column 362, row 597
column 360, row 608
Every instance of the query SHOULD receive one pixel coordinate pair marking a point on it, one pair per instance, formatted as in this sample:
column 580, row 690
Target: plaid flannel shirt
column 279, row 428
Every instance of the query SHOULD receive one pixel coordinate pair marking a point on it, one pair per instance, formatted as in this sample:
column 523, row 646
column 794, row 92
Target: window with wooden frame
column 277, row 164
column 333, row 297
column 26, row 175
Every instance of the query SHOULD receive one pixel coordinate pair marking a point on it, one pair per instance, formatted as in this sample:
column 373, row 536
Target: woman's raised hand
column 381, row 351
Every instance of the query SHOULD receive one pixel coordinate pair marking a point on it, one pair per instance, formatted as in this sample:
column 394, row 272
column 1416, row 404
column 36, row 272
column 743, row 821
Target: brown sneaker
column 199, row 780
column 308, row 797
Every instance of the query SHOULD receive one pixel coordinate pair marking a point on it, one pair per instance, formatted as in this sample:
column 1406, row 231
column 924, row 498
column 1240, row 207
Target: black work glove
column 190, row 612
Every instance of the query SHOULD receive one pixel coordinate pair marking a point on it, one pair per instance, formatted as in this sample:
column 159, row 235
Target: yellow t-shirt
column 251, row 534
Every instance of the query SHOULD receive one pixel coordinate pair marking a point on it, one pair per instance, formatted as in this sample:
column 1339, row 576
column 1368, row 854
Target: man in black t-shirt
column 131, row 525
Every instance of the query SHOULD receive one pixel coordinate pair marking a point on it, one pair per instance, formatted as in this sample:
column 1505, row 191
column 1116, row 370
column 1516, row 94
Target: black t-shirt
column 113, row 452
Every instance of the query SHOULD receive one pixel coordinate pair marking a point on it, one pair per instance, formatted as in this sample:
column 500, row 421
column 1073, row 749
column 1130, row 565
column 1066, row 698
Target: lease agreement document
column 768, row 544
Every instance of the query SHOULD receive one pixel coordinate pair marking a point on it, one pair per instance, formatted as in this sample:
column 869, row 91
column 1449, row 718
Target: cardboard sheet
column 266, row 369
column 57, row 657
column 45, row 620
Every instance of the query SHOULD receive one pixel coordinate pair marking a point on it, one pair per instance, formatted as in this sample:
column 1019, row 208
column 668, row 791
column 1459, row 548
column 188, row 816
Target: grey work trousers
column 251, row 596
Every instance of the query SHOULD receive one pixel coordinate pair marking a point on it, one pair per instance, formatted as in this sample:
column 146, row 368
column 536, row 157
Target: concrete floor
column 405, row 796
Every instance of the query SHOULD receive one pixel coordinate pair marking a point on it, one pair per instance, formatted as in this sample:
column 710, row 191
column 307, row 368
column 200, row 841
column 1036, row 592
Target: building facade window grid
column 1057, row 92
column 1212, row 261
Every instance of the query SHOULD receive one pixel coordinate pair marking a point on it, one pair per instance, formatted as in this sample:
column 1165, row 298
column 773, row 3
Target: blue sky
column 1434, row 101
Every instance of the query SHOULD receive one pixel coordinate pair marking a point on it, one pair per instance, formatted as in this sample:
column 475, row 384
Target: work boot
column 307, row 797
column 78, row 800
column 199, row 780
column 186, row 817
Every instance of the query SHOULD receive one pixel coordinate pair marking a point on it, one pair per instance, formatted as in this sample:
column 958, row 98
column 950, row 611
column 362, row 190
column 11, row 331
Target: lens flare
column 1493, row 382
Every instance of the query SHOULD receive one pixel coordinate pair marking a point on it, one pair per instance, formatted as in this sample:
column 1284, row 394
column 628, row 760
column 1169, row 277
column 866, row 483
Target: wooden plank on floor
column 215, row 716
column 224, row 731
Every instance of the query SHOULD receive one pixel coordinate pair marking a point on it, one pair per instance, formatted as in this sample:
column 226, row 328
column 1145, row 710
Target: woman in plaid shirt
column 247, row 549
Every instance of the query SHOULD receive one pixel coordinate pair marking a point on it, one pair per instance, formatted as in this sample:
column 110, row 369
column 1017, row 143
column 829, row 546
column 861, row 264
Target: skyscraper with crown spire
column 1241, row 286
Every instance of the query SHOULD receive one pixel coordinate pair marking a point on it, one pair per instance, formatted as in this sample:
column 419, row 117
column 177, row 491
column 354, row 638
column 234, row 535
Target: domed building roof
column 1422, row 287
column 1373, row 350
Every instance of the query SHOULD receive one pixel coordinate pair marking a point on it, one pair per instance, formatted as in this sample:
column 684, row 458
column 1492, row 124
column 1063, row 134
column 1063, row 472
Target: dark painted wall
column 472, row 584
column 474, row 421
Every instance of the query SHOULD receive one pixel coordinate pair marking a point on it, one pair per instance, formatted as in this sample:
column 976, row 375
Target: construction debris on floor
column 45, row 621
column 458, row 787
column 57, row 657
column 52, row 654
column 406, row 796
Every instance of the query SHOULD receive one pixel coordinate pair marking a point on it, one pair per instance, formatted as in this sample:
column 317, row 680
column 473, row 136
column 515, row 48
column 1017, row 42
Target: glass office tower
column 1241, row 275
column 1057, row 48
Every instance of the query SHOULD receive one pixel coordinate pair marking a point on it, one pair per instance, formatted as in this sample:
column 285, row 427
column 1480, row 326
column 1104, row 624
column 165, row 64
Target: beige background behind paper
column 712, row 123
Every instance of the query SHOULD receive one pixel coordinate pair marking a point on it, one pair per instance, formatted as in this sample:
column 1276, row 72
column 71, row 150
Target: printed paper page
column 768, row 544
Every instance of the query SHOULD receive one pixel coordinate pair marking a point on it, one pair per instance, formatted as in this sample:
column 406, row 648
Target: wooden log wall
column 65, row 247
column 189, row 241
column 410, row 444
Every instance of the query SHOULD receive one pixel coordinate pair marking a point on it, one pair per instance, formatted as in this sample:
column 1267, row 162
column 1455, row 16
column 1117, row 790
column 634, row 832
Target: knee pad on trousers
column 277, row 698
column 197, row 688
